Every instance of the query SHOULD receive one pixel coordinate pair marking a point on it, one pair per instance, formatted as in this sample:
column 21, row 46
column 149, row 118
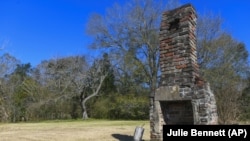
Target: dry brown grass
column 90, row 130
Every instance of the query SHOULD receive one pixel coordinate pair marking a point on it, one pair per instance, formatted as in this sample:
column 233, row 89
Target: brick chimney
column 182, row 97
column 178, row 60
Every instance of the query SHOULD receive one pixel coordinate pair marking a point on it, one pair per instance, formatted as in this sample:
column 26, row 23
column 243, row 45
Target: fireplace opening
column 177, row 112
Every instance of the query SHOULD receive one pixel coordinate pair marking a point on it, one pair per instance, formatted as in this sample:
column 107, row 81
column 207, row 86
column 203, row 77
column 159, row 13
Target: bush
column 129, row 107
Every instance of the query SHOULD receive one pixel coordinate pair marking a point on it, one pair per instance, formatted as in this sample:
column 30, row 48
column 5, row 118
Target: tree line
column 66, row 88
column 119, row 84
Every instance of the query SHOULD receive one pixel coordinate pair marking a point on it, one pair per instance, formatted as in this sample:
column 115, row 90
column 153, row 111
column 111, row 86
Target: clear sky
column 36, row 30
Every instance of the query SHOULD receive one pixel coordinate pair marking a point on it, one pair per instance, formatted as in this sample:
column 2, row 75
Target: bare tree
column 70, row 77
column 130, row 32
column 93, row 83
column 7, row 66
column 61, row 75
column 224, row 63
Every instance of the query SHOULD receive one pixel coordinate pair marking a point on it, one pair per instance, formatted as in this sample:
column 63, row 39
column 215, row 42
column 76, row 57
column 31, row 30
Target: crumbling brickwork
column 182, row 97
column 178, row 59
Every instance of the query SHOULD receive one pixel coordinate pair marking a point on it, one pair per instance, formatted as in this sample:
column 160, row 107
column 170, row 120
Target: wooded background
column 117, row 84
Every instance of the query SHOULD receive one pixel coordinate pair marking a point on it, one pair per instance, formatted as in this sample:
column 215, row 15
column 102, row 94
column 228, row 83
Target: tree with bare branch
column 72, row 78
column 93, row 83
column 224, row 63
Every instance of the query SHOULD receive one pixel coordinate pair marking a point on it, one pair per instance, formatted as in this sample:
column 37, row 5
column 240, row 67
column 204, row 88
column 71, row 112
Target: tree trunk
column 85, row 98
column 84, row 110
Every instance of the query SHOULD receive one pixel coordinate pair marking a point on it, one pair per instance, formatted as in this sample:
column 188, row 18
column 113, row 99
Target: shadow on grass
column 121, row 137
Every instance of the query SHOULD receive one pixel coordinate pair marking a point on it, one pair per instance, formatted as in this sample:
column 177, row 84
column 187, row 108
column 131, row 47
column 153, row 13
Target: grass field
column 79, row 130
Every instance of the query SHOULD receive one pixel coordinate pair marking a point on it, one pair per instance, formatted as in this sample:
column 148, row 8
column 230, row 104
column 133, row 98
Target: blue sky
column 36, row 30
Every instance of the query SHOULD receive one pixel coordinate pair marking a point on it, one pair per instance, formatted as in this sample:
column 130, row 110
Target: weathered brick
column 180, row 81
